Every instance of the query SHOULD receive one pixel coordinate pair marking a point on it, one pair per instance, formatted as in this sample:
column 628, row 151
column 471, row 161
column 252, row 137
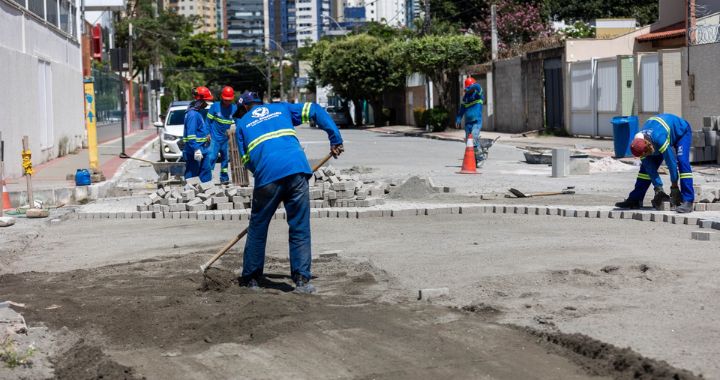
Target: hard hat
column 202, row 93
column 227, row 93
column 249, row 97
column 639, row 146
column 469, row 81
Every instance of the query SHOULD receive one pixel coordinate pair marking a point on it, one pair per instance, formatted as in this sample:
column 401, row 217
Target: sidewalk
column 593, row 147
column 50, row 178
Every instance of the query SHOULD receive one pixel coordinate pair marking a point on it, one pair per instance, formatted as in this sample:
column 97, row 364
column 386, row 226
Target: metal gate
column 594, row 96
column 554, row 99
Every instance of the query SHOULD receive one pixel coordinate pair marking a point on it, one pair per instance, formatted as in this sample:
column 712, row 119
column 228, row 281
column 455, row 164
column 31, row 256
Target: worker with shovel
column 269, row 148
column 471, row 109
column 660, row 138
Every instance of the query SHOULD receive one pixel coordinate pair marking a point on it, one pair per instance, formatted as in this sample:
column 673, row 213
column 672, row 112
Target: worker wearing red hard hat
column 220, row 119
column 471, row 108
column 663, row 137
column 196, row 136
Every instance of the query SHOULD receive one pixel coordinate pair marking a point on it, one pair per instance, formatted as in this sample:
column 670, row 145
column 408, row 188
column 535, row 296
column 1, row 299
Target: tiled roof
column 672, row 31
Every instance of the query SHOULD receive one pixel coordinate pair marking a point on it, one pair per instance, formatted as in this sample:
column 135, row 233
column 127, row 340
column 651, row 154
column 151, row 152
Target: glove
column 336, row 150
column 198, row 155
column 660, row 197
column 675, row 197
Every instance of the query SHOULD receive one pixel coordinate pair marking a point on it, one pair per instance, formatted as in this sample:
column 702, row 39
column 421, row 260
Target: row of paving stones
column 397, row 211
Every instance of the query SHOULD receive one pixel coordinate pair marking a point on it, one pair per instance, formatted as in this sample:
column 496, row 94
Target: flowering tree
column 517, row 23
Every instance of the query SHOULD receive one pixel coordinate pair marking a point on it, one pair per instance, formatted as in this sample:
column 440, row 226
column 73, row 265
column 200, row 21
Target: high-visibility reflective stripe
column 643, row 176
column 219, row 119
column 662, row 122
column 224, row 170
column 686, row 175
column 245, row 158
column 466, row 105
column 195, row 138
column 270, row 135
column 306, row 113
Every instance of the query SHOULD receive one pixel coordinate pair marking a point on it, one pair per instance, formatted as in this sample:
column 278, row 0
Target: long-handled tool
column 519, row 194
column 242, row 233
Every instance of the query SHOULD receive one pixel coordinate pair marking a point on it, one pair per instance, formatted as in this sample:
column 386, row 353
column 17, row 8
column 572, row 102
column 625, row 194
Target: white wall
column 24, row 42
column 585, row 49
column 391, row 11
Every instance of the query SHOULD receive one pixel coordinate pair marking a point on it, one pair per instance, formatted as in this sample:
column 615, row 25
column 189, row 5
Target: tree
column 517, row 23
column 644, row 11
column 440, row 58
column 359, row 67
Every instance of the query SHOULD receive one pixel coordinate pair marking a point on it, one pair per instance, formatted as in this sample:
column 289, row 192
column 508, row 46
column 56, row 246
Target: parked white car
column 171, row 132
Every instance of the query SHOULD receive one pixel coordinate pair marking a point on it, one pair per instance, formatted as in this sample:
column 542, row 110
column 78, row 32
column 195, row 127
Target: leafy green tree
column 359, row 67
column 440, row 58
column 579, row 30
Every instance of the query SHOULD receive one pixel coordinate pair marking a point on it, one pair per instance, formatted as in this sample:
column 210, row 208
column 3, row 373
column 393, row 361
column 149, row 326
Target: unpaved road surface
column 123, row 300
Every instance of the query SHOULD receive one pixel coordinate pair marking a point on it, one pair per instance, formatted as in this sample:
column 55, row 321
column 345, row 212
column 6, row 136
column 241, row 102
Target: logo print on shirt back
column 260, row 112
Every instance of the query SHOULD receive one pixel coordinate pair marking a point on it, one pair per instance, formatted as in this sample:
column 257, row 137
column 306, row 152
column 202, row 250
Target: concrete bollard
column 560, row 163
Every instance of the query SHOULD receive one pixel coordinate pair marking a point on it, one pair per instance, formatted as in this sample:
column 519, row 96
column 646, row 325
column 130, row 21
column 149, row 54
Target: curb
column 395, row 212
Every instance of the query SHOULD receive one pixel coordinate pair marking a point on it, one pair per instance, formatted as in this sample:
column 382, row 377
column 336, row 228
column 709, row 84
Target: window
column 52, row 12
column 37, row 7
column 65, row 21
column 44, row 105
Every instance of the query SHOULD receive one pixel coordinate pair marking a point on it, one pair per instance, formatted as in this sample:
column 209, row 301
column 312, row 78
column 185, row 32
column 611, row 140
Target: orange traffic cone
column 5, row 197
column 469, row 166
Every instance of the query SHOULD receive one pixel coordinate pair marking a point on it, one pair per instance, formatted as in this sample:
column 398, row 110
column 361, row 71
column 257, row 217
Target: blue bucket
column 82, row 177
column 624, row 129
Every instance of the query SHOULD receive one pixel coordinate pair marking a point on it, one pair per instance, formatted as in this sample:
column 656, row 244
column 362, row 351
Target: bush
column 418, row 116
column 437, row 118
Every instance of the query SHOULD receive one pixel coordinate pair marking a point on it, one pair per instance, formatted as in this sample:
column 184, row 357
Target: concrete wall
column 584, row 49
column 704, row 66
column 669, row 12
column 534, row 111
column 25, row 43
column 509, row 96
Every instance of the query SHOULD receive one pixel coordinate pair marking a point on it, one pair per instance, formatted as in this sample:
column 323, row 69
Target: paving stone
column 178, row 207
column 204, row 186
column 224, row 206
column 369, row 214
column 614, row 214
column 231, row 192
column 142, row 207
column 352, row 214
column 712, row 206
column 188, row 195
column 321, row 213
column 404, row 212
column 700, row 207
column 221, row 199
column 691, row 220
column 471, row 209
column 194, row 181
column 194, row 201
column 642, row 216
column 146, row 215
column 704, row 236
column 655, row 217
column 438, row 211
column 433, row 293
column 196, row 208
column 705, row 223
column 455, row 210
column 154, row 197
column 715, row 225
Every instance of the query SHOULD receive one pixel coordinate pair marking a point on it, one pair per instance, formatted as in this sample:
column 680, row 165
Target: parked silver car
column 338, row 116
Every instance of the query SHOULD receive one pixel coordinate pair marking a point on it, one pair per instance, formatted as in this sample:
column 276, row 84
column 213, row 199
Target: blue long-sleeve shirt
column 664, row 131
column 268, row 143
column 220, row 119
column 196, row 131
column 471, row 105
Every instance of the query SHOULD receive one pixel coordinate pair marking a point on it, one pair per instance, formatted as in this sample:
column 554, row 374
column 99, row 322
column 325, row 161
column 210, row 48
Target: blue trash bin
column 82, row 177
column 624, row 129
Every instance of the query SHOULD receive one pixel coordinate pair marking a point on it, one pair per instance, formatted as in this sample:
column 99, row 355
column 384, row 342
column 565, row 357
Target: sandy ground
column 128, row 295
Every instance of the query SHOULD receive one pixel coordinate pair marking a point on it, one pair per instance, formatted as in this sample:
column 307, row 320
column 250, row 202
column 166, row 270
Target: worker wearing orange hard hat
column 220, row 118
column 471, row 108
column 668, row 138
column 196, row 137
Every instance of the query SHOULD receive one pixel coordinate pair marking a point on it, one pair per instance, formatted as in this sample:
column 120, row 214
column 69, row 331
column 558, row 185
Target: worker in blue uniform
column 220, row 118
column 471, row 108
column 196, row 136
column 269, row 148
column 663, row 137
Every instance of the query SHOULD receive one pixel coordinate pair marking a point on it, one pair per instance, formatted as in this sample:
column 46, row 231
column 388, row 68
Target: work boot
column 303, row 286
column 250, row 283
column 630, row 204
column 684, row 208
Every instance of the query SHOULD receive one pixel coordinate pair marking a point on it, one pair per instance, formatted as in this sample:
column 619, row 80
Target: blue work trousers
column 682, row 148
column 202, row 169
column 220, row 150
column 474, row 128
column 294, row 192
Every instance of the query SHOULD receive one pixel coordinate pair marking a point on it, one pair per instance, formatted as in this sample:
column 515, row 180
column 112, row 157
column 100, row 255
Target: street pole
column 269, row 80
column 131, row 105
column 493, row 27
column 122, row 109
column 2, row 175
column 282, row 85
column 28, row 179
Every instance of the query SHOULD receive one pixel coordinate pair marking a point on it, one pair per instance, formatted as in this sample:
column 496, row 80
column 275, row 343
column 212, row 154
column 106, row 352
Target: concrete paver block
column 704, row 236
column 369, row 214
column 705, row 223
column 712, row 206
column 196, row 207
column 438, row 211
column 472, row 209
column 433, row 293
column 691, row 220
column 404, row 212
column 224, row 206
column 700, row 206
column 204, row 186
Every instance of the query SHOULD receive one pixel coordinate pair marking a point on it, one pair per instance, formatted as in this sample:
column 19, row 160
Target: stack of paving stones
column 330, row 188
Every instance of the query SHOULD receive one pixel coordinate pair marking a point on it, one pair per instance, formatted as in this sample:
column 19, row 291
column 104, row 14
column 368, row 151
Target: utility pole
column 131, row 105
column 282, row 85
column 493, row 27
column 269, row 79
